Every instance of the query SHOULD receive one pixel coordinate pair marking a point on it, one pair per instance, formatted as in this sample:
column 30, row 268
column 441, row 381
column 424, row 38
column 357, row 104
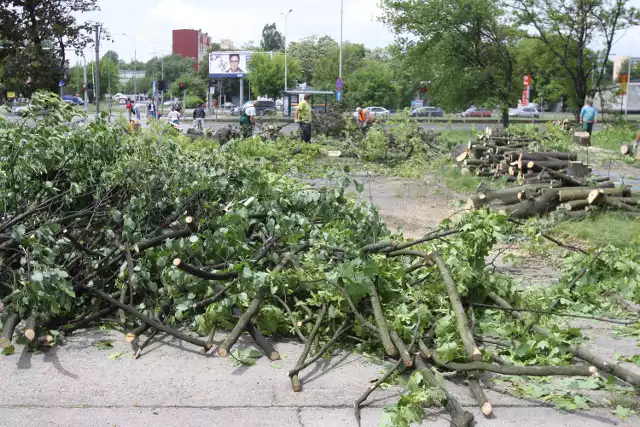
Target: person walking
column 136, row 109
column 248, row 120
column 303, row 118
column 151, row 110
column 198, row 117
column 588, row 116
column 129, row 107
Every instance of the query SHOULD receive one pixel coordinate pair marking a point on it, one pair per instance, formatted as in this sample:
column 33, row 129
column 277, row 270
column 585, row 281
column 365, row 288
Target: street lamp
column 341, row 16
column 135, row 59
column 286, row 15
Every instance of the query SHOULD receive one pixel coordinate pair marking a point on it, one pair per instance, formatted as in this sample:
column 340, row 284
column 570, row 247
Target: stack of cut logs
column 549, row 181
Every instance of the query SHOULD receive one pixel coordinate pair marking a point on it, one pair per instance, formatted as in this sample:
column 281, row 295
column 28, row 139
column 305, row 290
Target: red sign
column 525, row 97
column 624, row 83
column 526, row 81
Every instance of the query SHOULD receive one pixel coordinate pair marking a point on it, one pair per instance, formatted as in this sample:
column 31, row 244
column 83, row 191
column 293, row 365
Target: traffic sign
column 623, row 79
column 526, row 80
column 61, row 83
column 339, row 95
column 339, row 84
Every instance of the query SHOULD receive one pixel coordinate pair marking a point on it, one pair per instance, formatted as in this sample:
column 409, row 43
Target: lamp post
column 341, row 19
column 286, row 15
column 135, row 59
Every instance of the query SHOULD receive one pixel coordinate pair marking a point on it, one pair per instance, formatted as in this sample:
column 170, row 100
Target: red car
column 478, row 112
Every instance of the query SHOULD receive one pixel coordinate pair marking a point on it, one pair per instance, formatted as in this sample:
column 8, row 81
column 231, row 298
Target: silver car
column 526, row 112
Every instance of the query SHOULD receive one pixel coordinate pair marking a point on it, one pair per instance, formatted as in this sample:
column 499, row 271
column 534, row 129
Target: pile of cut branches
column 184, row 238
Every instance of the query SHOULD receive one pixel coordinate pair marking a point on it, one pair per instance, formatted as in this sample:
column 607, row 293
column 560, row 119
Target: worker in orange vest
column 362, row 116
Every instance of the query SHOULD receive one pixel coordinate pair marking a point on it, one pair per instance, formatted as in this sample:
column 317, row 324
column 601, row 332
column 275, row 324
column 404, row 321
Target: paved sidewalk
column 174, row 384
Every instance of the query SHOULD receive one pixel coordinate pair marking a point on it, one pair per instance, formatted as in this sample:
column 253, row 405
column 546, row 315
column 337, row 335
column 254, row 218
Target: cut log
column 540, row 165
column 477, row 162
column 529, row 371
column 596, row 197
column 575, row 205
column 569, row 194
column 262, row 342
column 579, row 351
column 462, row 156
column 137, row 332
column 547, row 202
column 459, row 417
column 578, row 169
column 566, row 179
column 582, row 138
column 606, row 184
column 30, row 329
column 473, row 353
column 383, row 330
column 7, row 331
column 616, row 203
column 626, row 149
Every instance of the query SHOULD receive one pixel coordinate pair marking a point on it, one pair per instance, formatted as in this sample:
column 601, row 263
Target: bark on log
column 566, row 179
column 575, row 205
column 81, row 323
column 8, row 329
column 30, row 329
column 619, row 204
column 195, row 271
column 402, row 349
column 545, row 203
column 529, row 371
column 296, row 385
column 540, row 165
column 371, row 388
column 137, row 332
column 262, row 342
column 461, row 317
column 579, row 351
column 569, row 194
column 459, row 417
column 389, row 348
column 144, row 344
column 148, row 320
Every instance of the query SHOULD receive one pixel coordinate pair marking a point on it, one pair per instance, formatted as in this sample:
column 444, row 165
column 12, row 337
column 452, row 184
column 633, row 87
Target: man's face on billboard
column 234, row 60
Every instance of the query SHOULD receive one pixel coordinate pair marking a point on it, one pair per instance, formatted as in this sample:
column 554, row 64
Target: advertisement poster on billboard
column 229, row 64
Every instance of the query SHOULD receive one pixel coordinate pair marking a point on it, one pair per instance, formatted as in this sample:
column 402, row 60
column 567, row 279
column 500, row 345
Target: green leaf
column 103, row 344
column 359, row 186
column 8, row 351
column 115, row 356
column 622, row 412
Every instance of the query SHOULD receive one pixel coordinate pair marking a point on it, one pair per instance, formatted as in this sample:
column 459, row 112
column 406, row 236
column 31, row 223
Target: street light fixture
column 286, row 15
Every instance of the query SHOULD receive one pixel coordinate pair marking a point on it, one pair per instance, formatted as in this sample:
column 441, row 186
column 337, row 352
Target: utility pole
column 286, row 15
column 341, row 16
column 97, row 70
column 86, row 89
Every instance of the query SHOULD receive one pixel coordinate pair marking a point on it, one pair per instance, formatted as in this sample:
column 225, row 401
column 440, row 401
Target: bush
column 193, row 101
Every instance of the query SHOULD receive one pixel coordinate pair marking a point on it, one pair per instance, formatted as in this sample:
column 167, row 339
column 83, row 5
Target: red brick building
column 191, row 44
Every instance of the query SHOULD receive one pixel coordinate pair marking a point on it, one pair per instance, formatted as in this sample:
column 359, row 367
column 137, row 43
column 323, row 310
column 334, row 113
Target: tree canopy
column 266, row 74
column 272, row 40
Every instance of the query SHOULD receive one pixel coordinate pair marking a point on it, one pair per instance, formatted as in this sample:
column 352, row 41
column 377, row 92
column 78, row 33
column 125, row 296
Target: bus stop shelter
column 319, row 100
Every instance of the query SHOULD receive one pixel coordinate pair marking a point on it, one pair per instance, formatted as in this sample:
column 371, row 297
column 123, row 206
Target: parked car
column 427, row 112
column 74, row 100
column 526, row 112
column 263, row 108
column 477, row 112
column 378, row 111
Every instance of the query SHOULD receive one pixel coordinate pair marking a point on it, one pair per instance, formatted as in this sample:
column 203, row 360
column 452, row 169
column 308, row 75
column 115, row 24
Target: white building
column 126, row 75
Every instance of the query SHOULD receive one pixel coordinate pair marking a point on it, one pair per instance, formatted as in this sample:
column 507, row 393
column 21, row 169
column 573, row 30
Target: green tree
column 112, row 55
column 461, row 45
column 266, row 74
column 193, row 84
column 308, row 51
column 34, row 38
column 272, row 40
column 569, row 27
column 372, row 84
column 327, row 67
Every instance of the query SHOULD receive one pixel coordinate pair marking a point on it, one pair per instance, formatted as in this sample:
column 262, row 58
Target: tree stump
column 582, row 138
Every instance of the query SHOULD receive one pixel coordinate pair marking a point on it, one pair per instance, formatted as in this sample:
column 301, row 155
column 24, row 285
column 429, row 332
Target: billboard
column 229, row 64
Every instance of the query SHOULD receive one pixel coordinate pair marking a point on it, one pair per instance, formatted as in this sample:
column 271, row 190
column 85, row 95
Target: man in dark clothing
column 198, row 117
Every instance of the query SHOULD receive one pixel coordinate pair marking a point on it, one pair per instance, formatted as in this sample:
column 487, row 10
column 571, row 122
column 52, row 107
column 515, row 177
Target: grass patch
column 611, row 137
column 604, row 229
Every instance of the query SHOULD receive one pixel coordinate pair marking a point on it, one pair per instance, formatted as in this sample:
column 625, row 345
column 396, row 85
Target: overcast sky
column 150, row 22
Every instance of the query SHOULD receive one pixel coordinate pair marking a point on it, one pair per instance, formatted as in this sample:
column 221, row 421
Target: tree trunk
column 569, row 194
column 542, row 204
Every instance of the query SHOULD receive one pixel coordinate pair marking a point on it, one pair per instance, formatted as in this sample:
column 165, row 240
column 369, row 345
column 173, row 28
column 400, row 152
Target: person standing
column 303, row 118
column 198, row 117
column 129, row 107
column 363, row 120
column 174, row 116
column 588, row 116
column 248, row 120
column 151, row 110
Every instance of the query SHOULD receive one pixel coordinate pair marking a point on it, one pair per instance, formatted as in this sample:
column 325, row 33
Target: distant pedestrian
column 588, row 116
column 248, row 120
column 151, row 110
column 174, row 116
column 362, row 116
column 136, row 109
column 129, row 108
column 303, row 118
column 198, row 117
